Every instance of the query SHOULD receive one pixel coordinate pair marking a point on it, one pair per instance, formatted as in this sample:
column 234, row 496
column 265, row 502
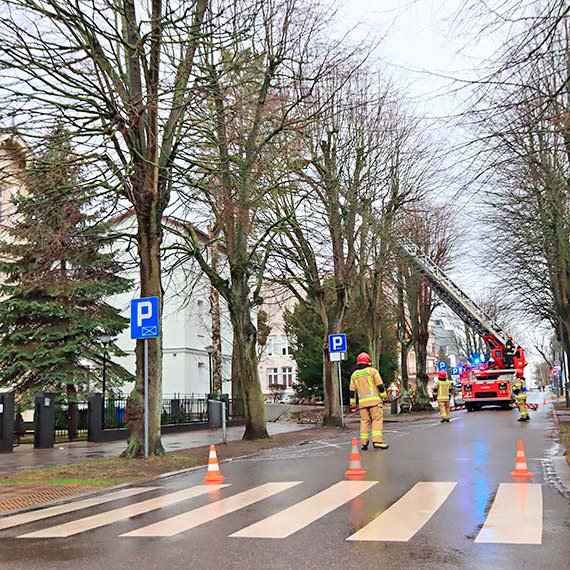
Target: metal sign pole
column 340, row 392
column 145, row 398
column 223, row 421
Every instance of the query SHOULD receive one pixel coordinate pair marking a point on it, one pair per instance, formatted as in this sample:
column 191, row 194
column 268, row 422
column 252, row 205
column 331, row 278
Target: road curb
column 562, row 471
column 102, row 491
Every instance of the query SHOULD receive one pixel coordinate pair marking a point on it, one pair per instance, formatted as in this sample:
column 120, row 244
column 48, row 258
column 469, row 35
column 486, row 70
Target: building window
column 284, row 345
column 272, row 376
column 287, row 375
column 271, row 348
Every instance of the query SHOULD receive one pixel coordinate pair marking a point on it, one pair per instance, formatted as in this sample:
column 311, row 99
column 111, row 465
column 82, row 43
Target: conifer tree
column 56, row 280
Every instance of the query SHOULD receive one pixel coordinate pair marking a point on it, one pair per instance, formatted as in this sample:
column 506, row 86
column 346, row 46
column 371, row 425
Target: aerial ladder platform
column 463, row 306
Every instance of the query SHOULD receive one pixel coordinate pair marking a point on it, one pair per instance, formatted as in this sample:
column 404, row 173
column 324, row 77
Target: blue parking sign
column 441, row 365
column 337, row 343
column 144, row 318
column 455, row 371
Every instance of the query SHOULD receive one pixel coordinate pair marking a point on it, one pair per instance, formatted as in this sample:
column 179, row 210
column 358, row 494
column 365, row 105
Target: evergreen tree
column 56, row 281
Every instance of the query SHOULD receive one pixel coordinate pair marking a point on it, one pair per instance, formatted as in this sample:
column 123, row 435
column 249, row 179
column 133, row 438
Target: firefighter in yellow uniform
column 366, row 383
column 519, row 390
column 442, row 391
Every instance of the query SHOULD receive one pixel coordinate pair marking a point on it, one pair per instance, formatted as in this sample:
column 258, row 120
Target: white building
column 186, row 322
column 276, row 365
column 14, row 158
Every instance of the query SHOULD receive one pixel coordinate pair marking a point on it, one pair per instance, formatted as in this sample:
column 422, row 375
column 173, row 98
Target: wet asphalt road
column 476, row 450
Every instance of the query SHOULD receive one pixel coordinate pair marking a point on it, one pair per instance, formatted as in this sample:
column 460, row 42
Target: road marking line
column 408, row 515
column 196, row 517
column 515, row 516
column 104, row 519
column 25, row 518
column 293, row 519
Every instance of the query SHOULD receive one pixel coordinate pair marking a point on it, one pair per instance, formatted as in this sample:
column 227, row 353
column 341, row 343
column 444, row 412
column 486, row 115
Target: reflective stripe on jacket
column 364, row 382
column 521, row 396
column 443, row 389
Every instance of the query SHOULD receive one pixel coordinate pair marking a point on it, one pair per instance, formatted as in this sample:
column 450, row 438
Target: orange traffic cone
column 355, row 470
column 521, row 469
column 545, row 402
column 214, row 475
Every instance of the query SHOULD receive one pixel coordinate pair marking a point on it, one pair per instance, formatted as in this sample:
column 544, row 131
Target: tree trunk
column 149, row 242
column 216, row 324
column 244, row 360
column 330, row 389
column 237, row 395
column 422, row 378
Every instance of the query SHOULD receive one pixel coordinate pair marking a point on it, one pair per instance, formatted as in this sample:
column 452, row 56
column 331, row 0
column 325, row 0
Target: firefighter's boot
column 380, row 445
column 364, row 446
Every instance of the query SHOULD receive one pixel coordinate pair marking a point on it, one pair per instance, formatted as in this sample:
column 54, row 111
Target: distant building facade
column 277, row 367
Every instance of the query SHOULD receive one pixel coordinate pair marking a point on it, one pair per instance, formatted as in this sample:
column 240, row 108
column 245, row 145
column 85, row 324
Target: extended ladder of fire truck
column 464, row 307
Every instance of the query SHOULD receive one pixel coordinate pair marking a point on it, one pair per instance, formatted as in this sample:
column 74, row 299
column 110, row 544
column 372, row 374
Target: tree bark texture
column 244, row 360
column 216, row 322
column 149, row 239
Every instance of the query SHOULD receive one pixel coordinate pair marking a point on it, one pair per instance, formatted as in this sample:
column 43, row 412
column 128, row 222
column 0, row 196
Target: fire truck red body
column 490, row 383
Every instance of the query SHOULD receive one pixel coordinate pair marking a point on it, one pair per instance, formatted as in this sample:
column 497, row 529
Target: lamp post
column 105, row 340
column 210, row 349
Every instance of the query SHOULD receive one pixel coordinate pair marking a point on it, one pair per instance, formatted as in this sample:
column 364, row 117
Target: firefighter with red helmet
column 509, row 352
column 367, row 384
column 442, row 391
column 519, row 390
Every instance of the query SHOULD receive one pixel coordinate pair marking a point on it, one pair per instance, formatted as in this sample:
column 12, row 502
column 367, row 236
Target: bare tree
column 267, row 59
column 430, row 229
column 520, row 112
column 117, row 75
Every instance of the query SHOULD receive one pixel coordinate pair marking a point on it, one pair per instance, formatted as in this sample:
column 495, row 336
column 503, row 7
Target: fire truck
column 487, row 381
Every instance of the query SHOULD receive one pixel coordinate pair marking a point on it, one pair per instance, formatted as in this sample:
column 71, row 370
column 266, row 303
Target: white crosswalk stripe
column 192, row 519
column 293, row 519
column 515, row 516
column 33, row 516
column 106, row 518
column 408, row 515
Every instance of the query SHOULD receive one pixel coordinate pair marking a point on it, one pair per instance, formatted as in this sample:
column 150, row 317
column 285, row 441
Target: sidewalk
column 26, row 457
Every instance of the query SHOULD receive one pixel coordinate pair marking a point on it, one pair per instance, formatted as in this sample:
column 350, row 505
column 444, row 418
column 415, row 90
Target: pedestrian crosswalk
column 408, row 515
column 400, row 522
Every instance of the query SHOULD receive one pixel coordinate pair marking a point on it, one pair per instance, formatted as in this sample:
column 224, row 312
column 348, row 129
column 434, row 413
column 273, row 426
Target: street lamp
column 105, row 340
column 210, row 349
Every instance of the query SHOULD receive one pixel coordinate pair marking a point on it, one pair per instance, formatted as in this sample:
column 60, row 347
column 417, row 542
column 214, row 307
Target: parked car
column 288, row 399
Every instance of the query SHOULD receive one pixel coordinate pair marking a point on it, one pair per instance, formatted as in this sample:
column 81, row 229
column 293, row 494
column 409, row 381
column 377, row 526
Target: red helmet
column 519, row 373
column 363, row 358
column 442, row 374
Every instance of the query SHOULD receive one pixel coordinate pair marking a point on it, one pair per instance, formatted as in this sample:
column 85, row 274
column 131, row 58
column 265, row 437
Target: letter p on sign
column 337, row 343
column 144, row 312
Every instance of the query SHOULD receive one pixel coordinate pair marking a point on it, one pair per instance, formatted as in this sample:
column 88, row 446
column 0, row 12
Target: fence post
column 175, row 411
column 95, row 421
column 7, row 422
column 44, row 420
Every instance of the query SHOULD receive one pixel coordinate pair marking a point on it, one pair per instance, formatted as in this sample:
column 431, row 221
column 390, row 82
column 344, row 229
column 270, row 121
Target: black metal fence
column 71, row 421
column 175, row 411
